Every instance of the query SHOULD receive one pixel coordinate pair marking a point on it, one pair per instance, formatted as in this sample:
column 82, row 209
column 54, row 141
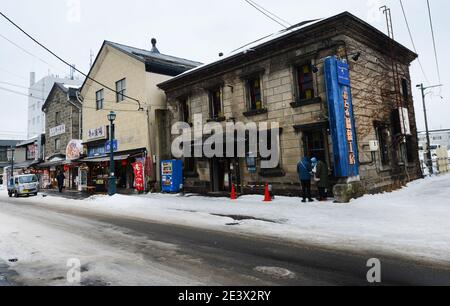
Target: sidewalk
column 66, row 194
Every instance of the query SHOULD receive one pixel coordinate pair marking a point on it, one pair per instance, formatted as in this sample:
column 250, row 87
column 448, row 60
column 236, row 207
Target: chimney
column 32, row 78
column 154, row 49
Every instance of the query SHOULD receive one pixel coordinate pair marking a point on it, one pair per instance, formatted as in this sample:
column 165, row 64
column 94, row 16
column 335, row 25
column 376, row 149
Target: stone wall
column 371, row 83
column 69, row 116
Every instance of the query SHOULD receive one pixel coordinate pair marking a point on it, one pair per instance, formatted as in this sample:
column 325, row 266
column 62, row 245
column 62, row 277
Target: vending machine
column 171, row 176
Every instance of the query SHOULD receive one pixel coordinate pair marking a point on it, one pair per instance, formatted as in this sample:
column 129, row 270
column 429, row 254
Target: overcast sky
column 197, row 30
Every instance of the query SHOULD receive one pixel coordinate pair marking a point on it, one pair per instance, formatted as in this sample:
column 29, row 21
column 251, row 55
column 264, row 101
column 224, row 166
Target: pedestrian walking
column 60, row 179
column 304, row 170
column 320, row 170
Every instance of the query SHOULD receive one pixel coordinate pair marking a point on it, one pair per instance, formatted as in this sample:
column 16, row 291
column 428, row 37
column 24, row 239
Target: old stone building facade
column 63, row 120
column 282, row 79
column 63, row 115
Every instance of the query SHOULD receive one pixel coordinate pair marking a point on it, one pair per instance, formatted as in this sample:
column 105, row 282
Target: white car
column 23, row 185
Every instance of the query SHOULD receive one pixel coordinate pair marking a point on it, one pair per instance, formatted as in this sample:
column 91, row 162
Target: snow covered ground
column 413, row 222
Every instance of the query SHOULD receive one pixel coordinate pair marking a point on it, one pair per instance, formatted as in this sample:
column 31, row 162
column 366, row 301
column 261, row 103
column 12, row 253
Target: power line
column 434, row 41
column 20, row 93
column 40, row 91
column 20, row 86
column 412, row 41
column 271, row 13
column 14, row 74
column 84, row 106
column 29, row 53
column 65, row 62
column 266, row 14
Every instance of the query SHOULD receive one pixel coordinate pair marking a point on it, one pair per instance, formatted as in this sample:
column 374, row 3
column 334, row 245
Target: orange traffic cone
column 233, row 193
column 267, row 196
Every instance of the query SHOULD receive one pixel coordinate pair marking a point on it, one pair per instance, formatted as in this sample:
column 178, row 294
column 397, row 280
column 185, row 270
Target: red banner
column 138, row 176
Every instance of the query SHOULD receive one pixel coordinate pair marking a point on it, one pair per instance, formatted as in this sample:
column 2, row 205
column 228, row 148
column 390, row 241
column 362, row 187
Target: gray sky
column 197, row 30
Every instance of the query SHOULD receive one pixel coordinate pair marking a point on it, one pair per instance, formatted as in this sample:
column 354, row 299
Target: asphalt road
column 189, row 256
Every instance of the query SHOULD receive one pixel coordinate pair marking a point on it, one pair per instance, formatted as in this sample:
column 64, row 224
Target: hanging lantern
column 124, row 163
column 66, row 168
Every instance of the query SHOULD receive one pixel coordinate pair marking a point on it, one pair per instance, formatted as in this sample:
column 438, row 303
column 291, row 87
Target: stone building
column 63, row 115
column 291, row 78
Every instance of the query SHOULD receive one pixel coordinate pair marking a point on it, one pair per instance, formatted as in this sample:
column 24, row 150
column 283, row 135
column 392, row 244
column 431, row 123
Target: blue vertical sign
column 342, row 121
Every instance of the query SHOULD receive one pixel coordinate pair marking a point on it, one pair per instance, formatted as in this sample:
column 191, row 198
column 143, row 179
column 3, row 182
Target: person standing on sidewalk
column 320, row 170
column 60, row 179
column 304, row 171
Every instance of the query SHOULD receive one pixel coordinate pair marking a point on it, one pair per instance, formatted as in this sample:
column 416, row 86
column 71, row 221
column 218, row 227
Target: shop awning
column 54, row 163
column 104, row 159
column 23, row 165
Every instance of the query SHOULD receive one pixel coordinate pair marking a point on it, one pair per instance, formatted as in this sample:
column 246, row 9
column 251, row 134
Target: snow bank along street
column 412, row 222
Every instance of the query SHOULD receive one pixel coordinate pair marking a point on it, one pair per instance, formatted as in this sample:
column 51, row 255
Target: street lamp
column 112, row 177
column 429, row 161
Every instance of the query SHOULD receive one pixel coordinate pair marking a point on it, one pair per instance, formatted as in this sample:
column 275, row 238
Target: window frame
column 405, row 85
column 211, row 93
column 57, row 144
column 99, row 101
column 299, row 91
column 249, row 96
column 122, row 91
column 185, row 110
column 385, row 156
column 57, row 118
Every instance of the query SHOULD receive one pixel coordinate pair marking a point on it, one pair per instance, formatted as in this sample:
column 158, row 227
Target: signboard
column 74, row 149
column 343, row 73
column 31, row 151
column 404, row 121
column 96, row 151
column 342, row 122
column 138, row 176
column 97, row 133
column 58, row 130
column 108, row 146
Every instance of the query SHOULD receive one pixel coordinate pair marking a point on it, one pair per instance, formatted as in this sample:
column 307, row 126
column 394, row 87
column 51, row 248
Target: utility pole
column 429, row 161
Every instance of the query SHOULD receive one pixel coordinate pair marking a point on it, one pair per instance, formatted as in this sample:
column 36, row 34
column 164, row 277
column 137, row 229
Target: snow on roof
column 252, row 45
column 67, row 86
column 146, row 54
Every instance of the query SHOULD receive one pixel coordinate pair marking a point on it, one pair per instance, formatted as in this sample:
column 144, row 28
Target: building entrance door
column 224, row 172
column 315, row 144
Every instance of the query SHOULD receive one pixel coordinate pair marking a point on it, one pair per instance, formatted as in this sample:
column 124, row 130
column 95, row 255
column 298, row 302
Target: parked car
column 23, row 185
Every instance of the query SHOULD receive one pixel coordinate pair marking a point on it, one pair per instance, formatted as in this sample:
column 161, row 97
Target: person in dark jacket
column 320, row 170
column 60, row 179
column 304, row 171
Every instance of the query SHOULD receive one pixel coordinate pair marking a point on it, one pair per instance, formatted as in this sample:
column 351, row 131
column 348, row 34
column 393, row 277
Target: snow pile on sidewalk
column 414, row 221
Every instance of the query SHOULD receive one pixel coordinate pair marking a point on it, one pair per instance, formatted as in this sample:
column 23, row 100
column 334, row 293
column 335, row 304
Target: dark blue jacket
column 304, row 170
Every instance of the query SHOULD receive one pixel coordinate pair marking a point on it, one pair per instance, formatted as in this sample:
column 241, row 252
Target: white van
column 23, row 185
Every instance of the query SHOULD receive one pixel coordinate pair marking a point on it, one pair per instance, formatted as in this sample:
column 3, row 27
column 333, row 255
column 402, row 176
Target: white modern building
column 437, row 138
column 38, row 93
